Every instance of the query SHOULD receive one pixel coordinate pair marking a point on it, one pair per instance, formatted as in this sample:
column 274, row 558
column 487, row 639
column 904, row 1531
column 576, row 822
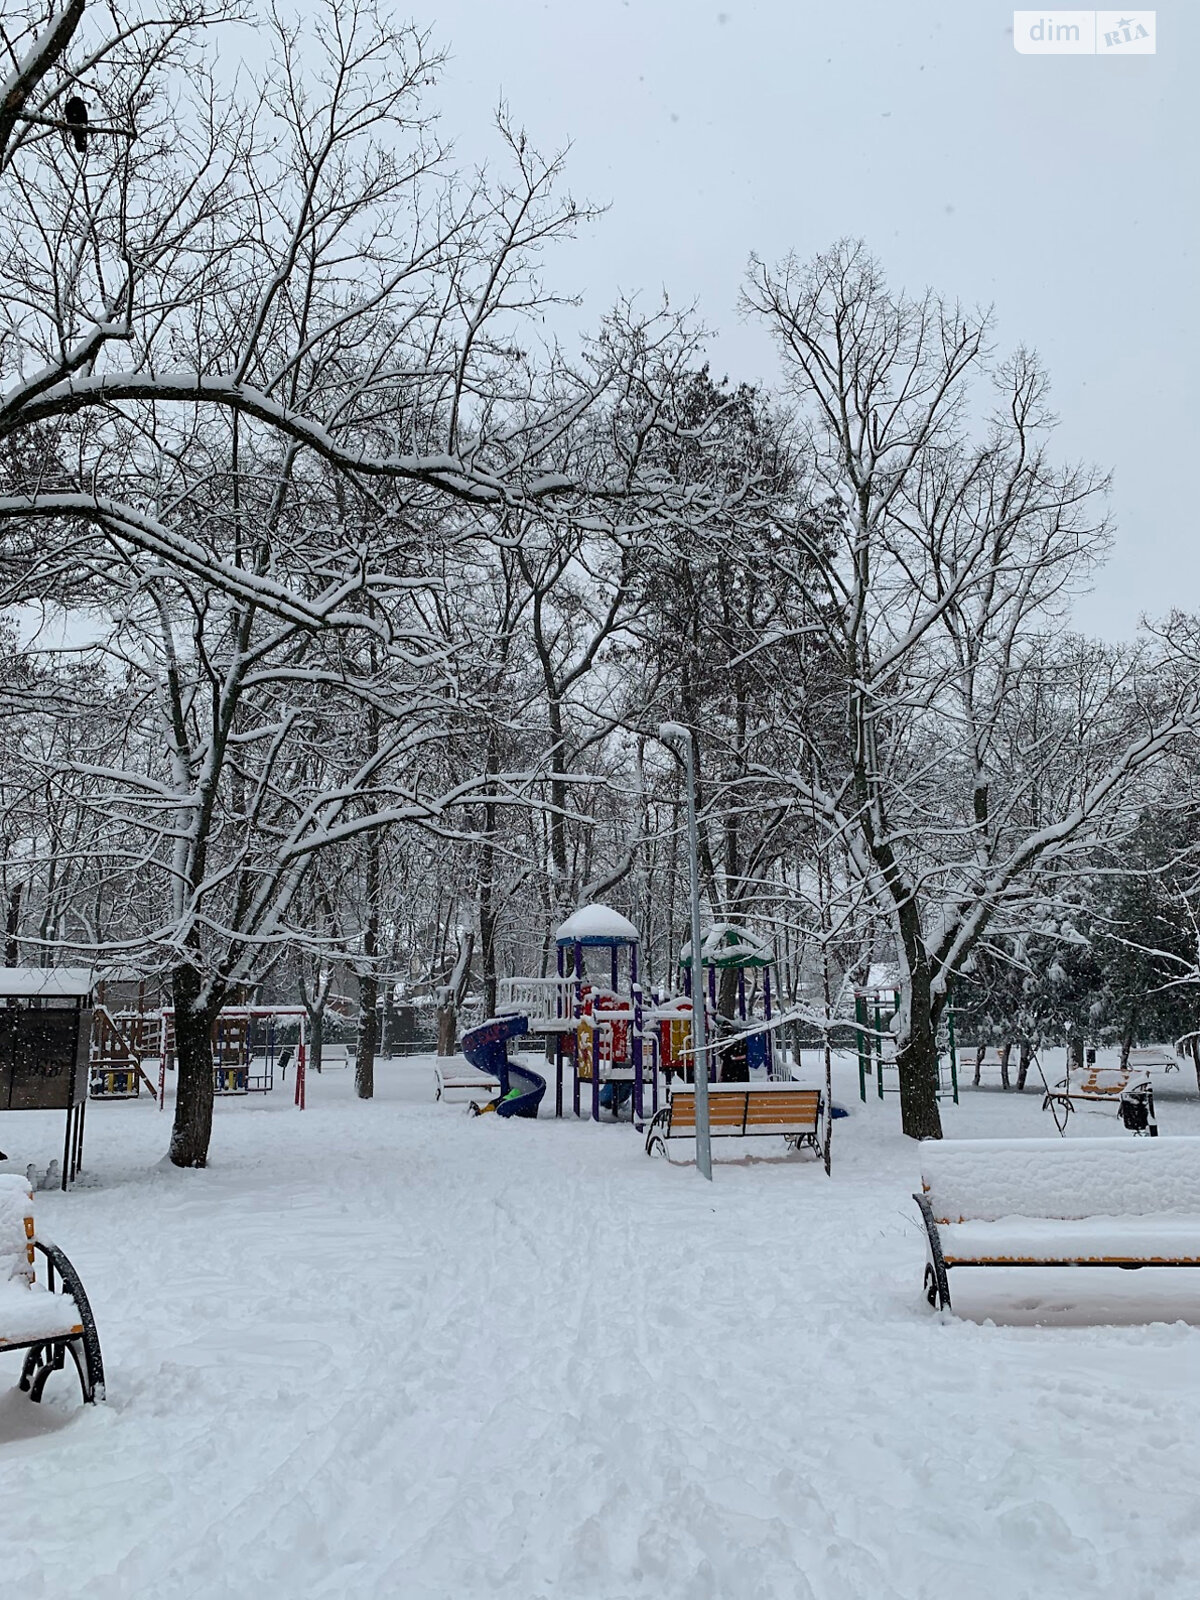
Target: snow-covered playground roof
column 597, row 925
column 42, row 983
column 726, row 945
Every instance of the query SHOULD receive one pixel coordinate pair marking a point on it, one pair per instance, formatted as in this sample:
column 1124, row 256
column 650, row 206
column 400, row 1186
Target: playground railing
column 541, row 999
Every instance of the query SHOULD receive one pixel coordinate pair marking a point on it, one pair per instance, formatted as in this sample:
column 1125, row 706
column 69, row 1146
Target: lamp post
column 679, row 738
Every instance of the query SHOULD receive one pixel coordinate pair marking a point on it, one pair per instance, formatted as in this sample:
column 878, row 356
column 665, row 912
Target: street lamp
column 679, row 738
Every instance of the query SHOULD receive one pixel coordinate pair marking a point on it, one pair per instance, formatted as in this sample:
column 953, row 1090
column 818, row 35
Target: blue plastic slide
column 486, row 1048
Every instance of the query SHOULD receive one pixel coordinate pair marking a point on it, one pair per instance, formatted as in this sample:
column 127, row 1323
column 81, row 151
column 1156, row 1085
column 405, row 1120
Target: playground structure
column 620, row 1044
column 604, row 1028
column 599, row 1022
column 727, row 949
column 246, row 1050
column 875, row 1007
column 122, row 1040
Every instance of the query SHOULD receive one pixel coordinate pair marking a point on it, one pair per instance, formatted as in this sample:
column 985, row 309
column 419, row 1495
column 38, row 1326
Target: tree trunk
column 368, row 982
column 727, row 988
column 487, row 887
column 1127, row 1037
column 450, row 997
column 917, row 1057
column 1024, row 1064
column 447, row 1029
column 12, row 951
column 316, row 1038
column 917, row 1061
column 192, row 1129
column 364, row 1061
column 1005, row 1052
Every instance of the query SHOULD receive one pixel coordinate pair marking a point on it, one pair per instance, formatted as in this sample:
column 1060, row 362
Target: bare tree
column 933, row 557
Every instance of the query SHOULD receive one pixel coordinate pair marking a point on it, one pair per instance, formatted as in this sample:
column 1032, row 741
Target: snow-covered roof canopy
column 598, row 924
column 726, row 945
column 41, row 983
column 882, row 977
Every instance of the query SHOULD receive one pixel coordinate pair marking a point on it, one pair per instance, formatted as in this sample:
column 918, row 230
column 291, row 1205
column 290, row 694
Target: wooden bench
column 1095, row 1086
column 1058, row 1203
column 450, row 1081
column 741, row 1111
column 46, row 1319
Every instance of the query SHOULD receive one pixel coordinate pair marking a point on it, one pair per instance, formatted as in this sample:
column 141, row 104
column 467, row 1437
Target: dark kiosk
column 45, row 1032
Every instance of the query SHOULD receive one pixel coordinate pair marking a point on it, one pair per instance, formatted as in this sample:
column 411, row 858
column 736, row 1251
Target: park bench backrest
column 16, row 1229
column 785, row 1109
column 983, row 1180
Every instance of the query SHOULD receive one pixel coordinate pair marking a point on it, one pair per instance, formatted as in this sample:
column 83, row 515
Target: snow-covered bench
column 1154, row 1058
column 1058, row 1203
column 46, row 1319
column 738, row 1112
column 451, row 1080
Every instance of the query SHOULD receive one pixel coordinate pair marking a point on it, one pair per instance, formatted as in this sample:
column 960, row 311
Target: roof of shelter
column 597, row 925
column 38, row 983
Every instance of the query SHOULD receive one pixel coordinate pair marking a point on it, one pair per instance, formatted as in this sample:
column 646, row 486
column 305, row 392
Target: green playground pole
column 860, row 1019
column 878, row 1048
column 953, row 1052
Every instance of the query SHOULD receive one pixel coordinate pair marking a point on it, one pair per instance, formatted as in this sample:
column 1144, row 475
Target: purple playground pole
column 637, row 1052
column 742, row 993
column 770, row 1050
column 595, row 1066
column 614, row 969
column 578, row 957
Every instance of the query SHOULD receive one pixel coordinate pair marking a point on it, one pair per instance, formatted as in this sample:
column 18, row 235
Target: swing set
column 246, row 1050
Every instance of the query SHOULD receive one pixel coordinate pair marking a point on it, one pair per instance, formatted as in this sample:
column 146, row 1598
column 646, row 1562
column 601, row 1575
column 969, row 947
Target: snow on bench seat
column 1152, row 1056
column 1090, row 1241
column 29, row 1311
column 1056, row 1202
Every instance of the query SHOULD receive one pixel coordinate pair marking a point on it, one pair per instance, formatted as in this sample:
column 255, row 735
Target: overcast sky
column 1060, row 190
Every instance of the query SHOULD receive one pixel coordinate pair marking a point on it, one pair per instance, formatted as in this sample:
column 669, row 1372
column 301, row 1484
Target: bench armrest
column 939, row 1290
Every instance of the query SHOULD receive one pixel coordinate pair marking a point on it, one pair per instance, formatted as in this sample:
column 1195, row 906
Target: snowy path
column 391, row 1350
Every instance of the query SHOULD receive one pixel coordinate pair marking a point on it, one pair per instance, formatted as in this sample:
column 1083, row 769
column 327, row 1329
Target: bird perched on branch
column 77, row 116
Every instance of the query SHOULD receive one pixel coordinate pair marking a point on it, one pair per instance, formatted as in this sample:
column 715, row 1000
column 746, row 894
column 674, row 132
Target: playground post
column 675, row 735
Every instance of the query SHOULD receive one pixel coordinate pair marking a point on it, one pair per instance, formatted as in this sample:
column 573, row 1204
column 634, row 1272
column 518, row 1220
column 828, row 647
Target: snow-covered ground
column 390, row 1350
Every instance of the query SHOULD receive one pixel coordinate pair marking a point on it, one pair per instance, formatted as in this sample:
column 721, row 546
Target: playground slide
column 486, row 1048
